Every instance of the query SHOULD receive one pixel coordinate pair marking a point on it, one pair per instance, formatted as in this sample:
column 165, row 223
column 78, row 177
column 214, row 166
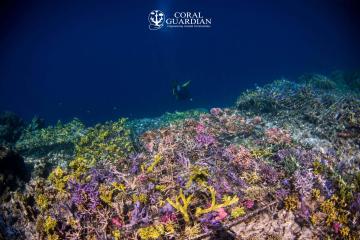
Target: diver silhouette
column 181, row 91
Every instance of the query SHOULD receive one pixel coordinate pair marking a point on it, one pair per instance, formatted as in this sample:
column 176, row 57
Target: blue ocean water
column 99, row 61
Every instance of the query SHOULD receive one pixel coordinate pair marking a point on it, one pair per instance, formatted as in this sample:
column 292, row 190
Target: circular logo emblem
column 156, row 19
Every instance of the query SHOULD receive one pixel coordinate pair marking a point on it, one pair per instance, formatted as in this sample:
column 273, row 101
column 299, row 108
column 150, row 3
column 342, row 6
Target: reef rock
column 13, row 170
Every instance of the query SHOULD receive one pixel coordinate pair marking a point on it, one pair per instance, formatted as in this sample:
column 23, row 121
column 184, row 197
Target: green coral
column 59, row 134
column 109, row 141
column 261, row 153
column 290, row 165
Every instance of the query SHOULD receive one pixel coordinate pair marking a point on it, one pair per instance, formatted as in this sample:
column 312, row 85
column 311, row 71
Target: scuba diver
column 181, row 91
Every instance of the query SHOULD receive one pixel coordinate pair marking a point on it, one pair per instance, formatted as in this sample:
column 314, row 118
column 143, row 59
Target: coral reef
column 282, row 164
column 13, row 171
column 11, row 127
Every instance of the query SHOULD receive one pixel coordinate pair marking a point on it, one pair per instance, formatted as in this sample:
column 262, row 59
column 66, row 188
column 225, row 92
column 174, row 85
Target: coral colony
column 283, row 163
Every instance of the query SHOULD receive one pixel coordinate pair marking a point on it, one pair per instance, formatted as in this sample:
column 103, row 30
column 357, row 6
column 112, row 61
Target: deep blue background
column 62, row 60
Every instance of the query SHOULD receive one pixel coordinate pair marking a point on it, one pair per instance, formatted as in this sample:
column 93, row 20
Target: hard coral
column 277, row 136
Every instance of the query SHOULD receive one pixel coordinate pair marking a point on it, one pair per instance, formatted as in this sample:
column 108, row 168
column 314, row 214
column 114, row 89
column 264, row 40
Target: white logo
column 156, row 19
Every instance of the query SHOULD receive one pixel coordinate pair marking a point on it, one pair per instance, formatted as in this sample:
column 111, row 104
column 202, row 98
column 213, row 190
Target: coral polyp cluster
column 264, row 169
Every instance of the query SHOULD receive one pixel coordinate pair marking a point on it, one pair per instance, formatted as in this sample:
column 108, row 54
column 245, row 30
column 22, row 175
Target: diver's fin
column 186, row 84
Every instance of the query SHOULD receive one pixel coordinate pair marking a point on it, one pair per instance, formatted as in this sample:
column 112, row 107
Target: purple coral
column 303, row 182
column 139, row 215
column 86, row 194
column 270, row 174
column 204, row 140
column 304, row 157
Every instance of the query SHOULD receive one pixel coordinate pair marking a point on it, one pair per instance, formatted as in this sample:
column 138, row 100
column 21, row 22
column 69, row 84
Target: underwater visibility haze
column 180, row 120
column 98, row 61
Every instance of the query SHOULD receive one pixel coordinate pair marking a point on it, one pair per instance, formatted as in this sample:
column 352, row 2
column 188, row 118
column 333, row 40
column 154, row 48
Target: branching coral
column 227, row 201
column 49, row 224
column 291, row 202
column 110, row 141
column 60, row 134
column 198, row 174
column 277, row 136
column 185, row 178
column 157, row 159
column 237, row 212
column 182, row 204
column 151, row 232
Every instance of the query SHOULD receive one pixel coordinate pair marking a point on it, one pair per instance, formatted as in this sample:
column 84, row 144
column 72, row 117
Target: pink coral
column 200, row 128
column 239, row 155
column 117, row 222
column 216, row 111
column 221, row 214
column 336, row 227
column 168, row 217
column 256, row 120
column 277, row 136
column 249, row 204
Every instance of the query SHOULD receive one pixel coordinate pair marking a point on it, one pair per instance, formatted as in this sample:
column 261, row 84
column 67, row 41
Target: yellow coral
column 255, row 192
column 237, row 212
column 315, row 219
column 169, row 228
column 160, row 188
column 227, row 201
column 140, row 198
column 109, row 141
column 58, row 178
column 42, row 201
column 182, row 207
column 318, row 167
column 315, row 193
column 151, row 232
column 261, row 153
column 106, row 194
column 119, row 186
column 198, row 174
column 192, row 231
column 53, row 237
column 344, row 231
column 49, row 224
column 291, row 202
column 251, row 178
column 328, row 207
column 116, row 234
column 157, row 159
